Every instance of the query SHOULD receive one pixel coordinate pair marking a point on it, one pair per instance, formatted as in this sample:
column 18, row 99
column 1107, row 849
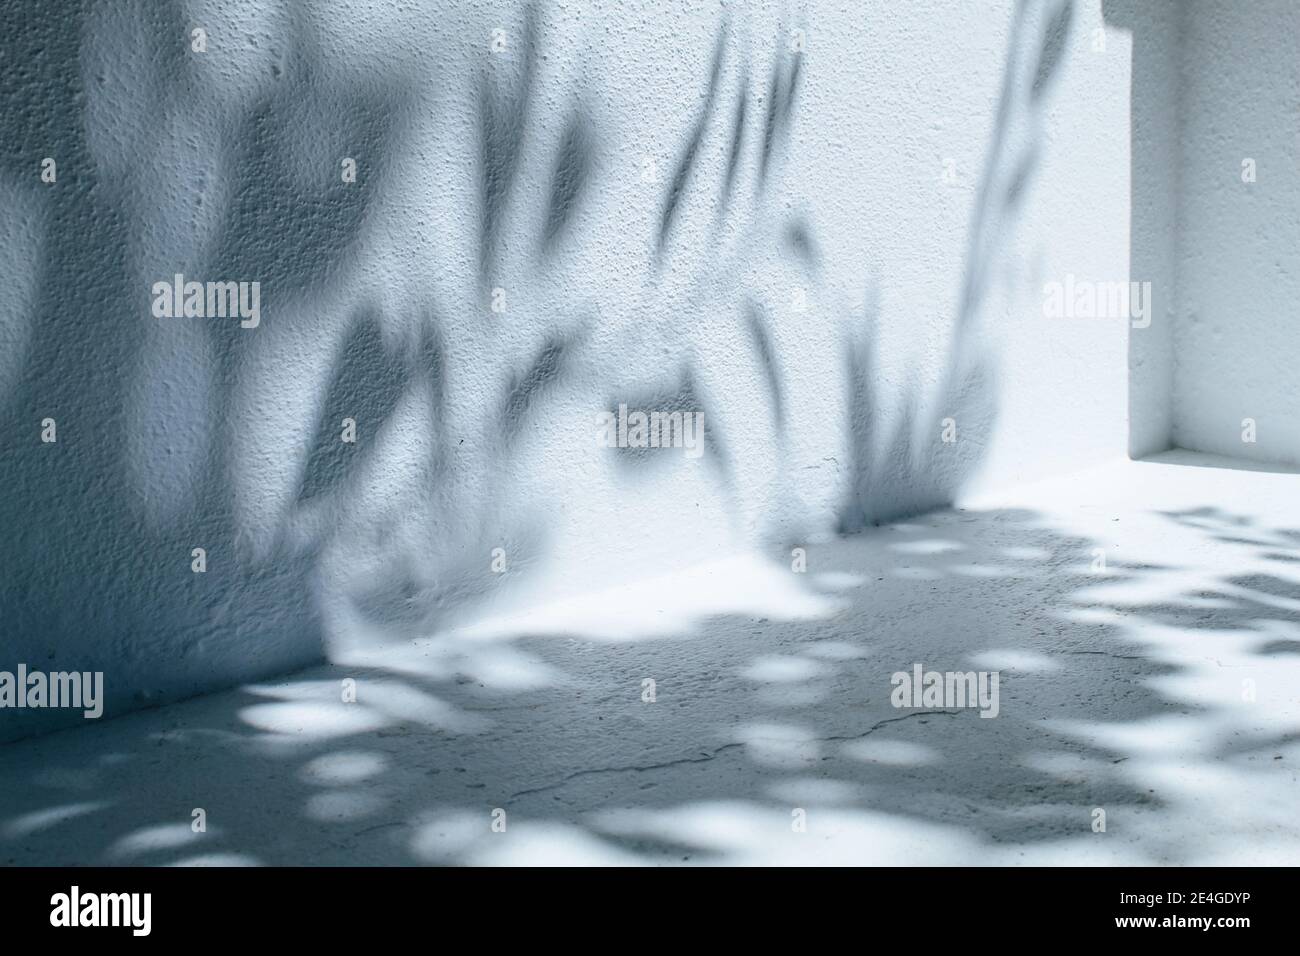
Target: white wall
column 552, row 178
column 1238, row 334
column 1153, row 29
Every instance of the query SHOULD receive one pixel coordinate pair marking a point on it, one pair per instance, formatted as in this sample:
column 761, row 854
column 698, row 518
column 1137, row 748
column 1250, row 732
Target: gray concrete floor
column 1164, row 690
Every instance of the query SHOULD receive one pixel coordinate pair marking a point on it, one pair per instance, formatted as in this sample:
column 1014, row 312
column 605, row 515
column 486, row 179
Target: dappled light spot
column 27, row 824
column 779, row 745
column 349, row 767
column 774, row 669
column 217, row 859
column 313, row 720
column 1020, row 553
column 999, row 572
column 669, row 603
column 928, row 546
column 1014, row 659
column 441, row 837
column 158, row 838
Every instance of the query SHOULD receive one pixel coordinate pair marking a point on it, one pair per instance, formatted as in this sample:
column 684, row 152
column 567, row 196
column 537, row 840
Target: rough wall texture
column 1239, row 271
column 1154, row 29
column 823, row 226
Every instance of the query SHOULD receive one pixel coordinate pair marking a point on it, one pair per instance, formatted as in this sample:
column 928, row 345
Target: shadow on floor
column 758, row 717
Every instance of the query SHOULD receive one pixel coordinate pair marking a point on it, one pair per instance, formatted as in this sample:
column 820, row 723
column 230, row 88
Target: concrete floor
column 1164, row 691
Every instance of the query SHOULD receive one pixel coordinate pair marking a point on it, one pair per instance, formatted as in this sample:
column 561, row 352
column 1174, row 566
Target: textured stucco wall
column 1154, row 29
column 1238, row 333
column 827, row 241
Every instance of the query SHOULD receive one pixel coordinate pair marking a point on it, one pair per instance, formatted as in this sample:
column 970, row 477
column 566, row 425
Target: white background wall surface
column 828, row 242
column 1238, row 333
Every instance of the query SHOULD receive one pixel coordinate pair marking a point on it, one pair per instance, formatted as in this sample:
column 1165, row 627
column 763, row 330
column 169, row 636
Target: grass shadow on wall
column 187, row 435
